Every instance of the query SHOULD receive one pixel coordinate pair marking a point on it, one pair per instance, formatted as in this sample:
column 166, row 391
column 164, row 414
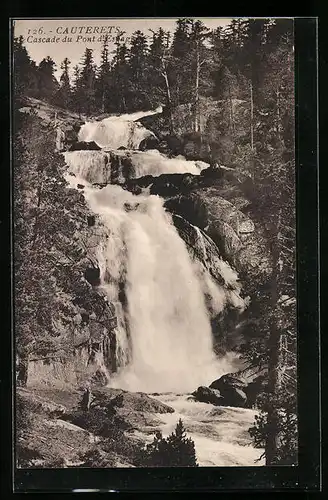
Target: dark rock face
column 149, row 143
column 254, row 389
column 91, row 220
column 92, row 275
column 207, row 395
column 231, row 389
column 172, row 184
column 242, row 388
column 240, row 241
column 84, row 146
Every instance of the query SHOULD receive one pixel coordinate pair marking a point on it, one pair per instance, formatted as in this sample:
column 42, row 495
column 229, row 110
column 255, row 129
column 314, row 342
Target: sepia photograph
column 154, row 243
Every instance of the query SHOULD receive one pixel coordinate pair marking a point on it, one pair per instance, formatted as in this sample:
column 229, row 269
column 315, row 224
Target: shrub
column 175, row 451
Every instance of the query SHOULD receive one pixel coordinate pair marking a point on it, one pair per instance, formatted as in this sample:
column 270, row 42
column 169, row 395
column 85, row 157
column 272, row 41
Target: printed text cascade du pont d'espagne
column 84, row 34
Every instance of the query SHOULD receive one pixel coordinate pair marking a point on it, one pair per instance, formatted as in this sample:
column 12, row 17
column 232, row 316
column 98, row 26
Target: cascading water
column 117, row 131
column 164, row 334
column 168, row 327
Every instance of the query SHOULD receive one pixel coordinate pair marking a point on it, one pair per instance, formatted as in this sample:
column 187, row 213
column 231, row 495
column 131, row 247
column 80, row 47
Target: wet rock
column 232, row 389
column 92, row 275
column 121, row 148
column 240, row 241
column 149, row 143
column 91, row 219
column 113, row 411
column 207, row 395
column 84, row 146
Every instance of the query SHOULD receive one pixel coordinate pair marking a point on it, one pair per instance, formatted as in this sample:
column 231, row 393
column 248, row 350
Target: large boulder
column 207, row 395
column 84, row 146
column 113, row 411
column 242, row 388
column 231, row 389
column 133, row 401
column 150, row 142
column 240, row 241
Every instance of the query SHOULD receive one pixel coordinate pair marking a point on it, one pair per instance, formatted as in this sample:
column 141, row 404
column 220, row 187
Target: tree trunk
column 168, row 98
column 231, row 112
column 198, row 64
column 271, row 446
column 278, row 114
column 103, row 102
column 252, row 118
column 36, row 222
column 22, row 371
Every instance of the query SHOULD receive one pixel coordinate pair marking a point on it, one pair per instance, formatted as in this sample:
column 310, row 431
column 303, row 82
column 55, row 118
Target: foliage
column 170, row 68
column 50, row 219
column 175, row 451
column 285, row 404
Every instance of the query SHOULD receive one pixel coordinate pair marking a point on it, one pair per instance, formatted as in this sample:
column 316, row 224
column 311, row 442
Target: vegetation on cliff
column 50, row 255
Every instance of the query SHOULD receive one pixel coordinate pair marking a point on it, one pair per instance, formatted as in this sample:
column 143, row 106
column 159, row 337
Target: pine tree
column 199, row 55
column 86, row 83
column 25, row 78
column 175, row 451
column 77, row 91
column 140, row 93
column 159, row 73
column 47, row 83
column 121, row 76
column 180, row 67
column 104, row 81
column 64, row 95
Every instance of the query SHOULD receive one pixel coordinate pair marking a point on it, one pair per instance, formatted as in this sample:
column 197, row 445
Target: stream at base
column 220, row 433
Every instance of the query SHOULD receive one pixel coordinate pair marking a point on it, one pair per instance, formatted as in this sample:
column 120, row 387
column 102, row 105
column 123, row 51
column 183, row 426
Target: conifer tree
column 121, row 82
column 140, row 93
column 159, row 61
column 175, row 451
column 25, row 78
column 63, row 96
column 47, row 83
column 86, row 82
column 104, row 81
column 180, row 67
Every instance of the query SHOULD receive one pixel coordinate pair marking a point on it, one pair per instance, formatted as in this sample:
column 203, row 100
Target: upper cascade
column 117, row 131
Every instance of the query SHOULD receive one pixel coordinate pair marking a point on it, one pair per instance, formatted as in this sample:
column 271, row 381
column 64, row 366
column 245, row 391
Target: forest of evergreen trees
column 241, row 61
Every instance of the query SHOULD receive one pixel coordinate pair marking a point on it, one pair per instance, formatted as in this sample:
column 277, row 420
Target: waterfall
column 164, row 331
column 105, row 166
column 154, row 163
column 117, row 131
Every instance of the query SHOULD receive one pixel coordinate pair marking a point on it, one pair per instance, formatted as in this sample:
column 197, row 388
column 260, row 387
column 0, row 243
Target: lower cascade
column 164, row 329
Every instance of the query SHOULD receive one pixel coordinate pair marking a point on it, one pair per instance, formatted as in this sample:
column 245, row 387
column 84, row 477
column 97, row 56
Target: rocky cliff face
column 55, row 432
column 218, row 202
